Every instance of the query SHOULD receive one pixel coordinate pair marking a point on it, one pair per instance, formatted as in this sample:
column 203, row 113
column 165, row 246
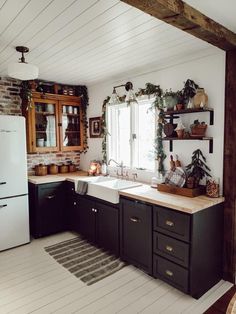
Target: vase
column 200, row 100
column 180, row 133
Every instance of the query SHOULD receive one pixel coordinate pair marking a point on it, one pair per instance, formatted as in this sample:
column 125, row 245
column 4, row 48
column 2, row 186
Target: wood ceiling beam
column 188, row 19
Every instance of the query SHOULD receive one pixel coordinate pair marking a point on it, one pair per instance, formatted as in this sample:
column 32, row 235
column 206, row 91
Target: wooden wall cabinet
column 54, row 123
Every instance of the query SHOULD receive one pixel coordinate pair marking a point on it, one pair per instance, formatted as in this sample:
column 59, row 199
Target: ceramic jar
column 213, row 187
column 200, row 100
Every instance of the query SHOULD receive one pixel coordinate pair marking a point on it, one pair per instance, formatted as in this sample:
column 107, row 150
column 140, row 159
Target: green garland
column 160, row 154
column 104, row 131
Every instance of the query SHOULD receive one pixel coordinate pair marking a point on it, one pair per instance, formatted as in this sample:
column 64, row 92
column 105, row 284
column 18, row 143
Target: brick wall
column 10, row 104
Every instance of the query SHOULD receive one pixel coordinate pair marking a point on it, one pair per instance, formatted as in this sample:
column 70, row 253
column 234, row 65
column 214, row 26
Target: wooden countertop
column 57, row 177
column 181, row 203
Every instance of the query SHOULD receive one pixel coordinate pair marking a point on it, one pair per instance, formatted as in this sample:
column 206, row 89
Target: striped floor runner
column 84, row 260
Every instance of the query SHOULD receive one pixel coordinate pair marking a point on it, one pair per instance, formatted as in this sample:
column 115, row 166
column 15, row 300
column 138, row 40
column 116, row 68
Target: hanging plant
column 104, row 131
column 82, row 91
column 26, row 96
column 159, row 149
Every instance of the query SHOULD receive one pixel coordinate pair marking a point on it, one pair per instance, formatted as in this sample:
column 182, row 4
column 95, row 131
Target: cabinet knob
column 169, row 248
column 135, row 219
column 1, row 206
column 50, row 197
column 169, row 223
column 169, row 273
column 1, row 183
column 75, row 203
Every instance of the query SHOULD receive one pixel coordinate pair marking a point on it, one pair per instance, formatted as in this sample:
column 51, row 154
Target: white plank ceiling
column 88, row 41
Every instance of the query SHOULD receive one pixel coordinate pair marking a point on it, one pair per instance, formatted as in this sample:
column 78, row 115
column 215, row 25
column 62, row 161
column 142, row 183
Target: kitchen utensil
column 53, row 169
column 41, row 170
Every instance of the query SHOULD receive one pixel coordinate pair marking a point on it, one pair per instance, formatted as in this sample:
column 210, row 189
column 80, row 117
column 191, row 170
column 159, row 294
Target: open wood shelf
column 200, row 138
column 170, row 114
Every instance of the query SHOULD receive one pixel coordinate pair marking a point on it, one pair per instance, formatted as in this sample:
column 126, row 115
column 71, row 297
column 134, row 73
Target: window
column 132, row 134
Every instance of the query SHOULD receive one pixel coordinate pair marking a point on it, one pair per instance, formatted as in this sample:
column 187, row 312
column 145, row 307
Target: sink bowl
column 109, row 190
column 92, row 180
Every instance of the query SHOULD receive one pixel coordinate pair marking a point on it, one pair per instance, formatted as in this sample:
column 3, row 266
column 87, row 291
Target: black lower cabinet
column 107, row 218
column 86, row 218
column 71, row 217
column 136, row 233
column 187, row 248
column 46, row 208
column 99, row 222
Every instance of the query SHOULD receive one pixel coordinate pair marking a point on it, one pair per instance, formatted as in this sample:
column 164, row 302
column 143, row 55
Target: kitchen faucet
column 121, row 165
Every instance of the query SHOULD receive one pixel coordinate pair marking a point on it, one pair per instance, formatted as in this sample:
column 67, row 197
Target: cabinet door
column 43, row 132
column 86, row 217
column 107, row 227
column 136, row 233
column 51, row 208
column 72, row 218
column 71, row 133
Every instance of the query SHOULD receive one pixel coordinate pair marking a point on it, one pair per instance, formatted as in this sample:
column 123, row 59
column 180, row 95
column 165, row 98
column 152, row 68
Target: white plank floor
column 33, row 282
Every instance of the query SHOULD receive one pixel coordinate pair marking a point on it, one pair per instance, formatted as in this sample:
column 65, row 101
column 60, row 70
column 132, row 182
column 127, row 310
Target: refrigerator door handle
column 1, row 183
column 1, row 206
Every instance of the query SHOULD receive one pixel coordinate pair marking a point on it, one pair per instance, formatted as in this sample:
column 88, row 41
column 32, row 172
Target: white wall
column 209, row 72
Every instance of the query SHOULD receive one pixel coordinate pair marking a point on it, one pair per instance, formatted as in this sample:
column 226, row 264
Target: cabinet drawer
column 173, row 274
column 170, row 248
column 171, row 223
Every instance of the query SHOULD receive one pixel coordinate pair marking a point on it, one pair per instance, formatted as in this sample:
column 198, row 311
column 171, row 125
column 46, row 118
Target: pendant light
column 22, row 70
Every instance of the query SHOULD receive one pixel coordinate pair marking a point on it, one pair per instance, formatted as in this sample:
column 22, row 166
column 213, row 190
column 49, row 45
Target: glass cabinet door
column 71, row 126
column 45, row 125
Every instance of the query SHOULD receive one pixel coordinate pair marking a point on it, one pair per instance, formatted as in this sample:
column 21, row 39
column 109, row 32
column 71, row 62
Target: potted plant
column 198, row 129
column 180, row 100
column 170, row 99
column 189, row 91
column 180, row 129
column 197, row 169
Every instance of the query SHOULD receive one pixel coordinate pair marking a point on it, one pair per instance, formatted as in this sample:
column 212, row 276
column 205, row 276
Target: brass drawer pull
column 169, row 223
column 169, row 273
column 50, row 197
column 135, row 219
column 169, row 248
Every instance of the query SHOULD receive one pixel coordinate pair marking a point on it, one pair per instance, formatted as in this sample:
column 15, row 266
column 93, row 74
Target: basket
column 198, row 130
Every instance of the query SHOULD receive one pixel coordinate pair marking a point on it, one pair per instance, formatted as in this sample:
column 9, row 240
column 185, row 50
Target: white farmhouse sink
column 92, row 180
column 109, row 190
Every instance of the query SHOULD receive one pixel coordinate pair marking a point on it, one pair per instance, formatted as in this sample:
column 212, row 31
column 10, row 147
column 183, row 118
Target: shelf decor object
column 181, row 190
column 174, row 114
column 22, row 70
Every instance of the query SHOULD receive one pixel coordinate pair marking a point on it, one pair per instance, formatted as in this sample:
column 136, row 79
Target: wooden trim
column 229, row 169
column 188, row 19
column 56, row 97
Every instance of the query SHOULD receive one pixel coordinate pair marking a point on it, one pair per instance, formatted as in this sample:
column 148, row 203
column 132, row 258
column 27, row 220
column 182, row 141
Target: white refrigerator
column 14, row 211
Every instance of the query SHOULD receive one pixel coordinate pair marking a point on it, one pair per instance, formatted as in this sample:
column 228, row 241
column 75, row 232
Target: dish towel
column 82, row 187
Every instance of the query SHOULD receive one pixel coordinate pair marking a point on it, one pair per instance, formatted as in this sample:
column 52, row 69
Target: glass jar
column 213, row 187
